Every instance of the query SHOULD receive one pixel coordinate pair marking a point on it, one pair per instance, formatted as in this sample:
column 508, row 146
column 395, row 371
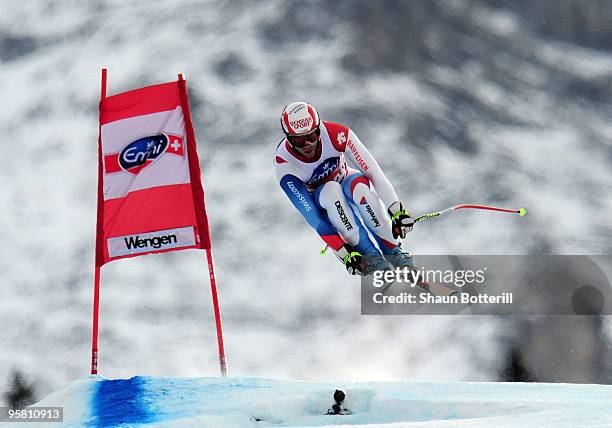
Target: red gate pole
column 215, row 298
column 96, row 304
column 209, row 255
column 94, row 340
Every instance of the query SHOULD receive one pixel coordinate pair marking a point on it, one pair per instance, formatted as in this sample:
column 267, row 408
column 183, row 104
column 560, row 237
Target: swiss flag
column 175, row 145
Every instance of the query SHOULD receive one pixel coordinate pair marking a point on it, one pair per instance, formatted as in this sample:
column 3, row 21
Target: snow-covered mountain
column 460, row 101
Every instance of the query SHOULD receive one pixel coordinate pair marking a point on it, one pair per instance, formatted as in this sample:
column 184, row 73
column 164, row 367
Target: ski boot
column 376, row 263
column 373, row 260
column 400, row 258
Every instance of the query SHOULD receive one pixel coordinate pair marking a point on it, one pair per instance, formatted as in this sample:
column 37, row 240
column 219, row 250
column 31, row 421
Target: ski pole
column 521, row 212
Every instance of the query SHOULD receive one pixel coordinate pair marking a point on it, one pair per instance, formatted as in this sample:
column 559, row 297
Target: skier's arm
column 298, row 195
column 362, row 159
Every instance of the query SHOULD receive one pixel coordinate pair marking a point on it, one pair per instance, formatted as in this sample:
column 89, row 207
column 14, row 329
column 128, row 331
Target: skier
column 337, row 200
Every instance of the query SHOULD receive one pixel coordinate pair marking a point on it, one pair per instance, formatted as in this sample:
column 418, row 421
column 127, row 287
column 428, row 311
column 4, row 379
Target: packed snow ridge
column 244, row 402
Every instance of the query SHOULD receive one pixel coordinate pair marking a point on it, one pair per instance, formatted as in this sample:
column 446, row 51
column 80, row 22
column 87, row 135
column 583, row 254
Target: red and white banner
column 150, row 196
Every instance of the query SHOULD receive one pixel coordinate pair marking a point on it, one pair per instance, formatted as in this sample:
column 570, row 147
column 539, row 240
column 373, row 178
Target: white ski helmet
column 299, row 118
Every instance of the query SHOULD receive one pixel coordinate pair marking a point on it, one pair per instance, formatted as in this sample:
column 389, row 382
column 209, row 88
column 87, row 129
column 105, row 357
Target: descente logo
column 132, row 242
column 343, row 216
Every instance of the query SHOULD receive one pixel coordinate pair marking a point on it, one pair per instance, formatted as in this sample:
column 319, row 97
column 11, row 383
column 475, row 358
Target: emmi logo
column 132, row 242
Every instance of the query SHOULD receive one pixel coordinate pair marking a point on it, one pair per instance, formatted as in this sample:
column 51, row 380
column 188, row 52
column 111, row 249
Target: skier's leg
column 330, row 197
column 357, row 189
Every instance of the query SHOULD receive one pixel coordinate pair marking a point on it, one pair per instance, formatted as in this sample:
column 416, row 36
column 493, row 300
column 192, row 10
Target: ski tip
column 322, row 251
column 522, row 212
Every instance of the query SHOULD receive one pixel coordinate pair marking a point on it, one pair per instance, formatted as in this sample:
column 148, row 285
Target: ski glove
column 401, row 222
column 351, row 259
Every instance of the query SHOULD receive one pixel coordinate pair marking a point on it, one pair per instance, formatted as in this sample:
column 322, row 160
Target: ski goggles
column 300, row 141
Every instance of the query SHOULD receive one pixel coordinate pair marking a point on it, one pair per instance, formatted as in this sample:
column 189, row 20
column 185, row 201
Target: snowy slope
column 493, row 114
column 241, row 402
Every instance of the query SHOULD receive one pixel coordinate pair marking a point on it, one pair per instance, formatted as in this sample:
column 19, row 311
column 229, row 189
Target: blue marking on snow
column 120, row 401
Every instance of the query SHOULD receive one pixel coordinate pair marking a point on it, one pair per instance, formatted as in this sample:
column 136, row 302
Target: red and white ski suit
column 328, row 192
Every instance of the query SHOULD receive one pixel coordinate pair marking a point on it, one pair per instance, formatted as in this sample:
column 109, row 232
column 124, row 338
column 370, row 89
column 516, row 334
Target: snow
column 278, row 296
column 239, row 402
